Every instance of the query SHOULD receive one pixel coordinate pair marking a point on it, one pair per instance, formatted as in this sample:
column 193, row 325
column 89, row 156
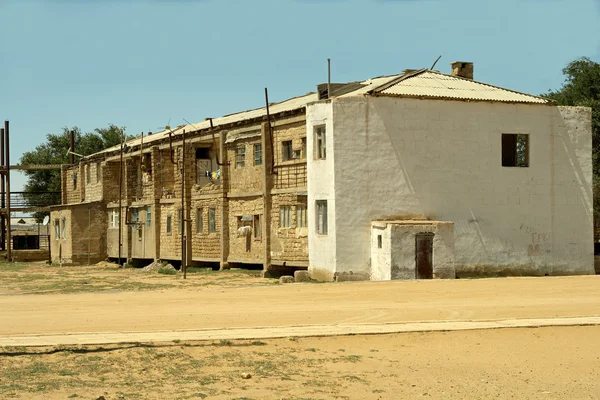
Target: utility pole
column 183, row 219
column 120, row 199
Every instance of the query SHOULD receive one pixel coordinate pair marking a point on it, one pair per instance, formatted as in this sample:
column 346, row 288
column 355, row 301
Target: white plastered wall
column 441, row 160
column 320, row 176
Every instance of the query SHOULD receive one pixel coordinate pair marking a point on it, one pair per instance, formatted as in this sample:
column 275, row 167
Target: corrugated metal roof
column 295, row 103
column 433, row 84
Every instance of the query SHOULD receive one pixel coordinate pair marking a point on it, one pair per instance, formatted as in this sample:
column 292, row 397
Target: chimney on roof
column 462, row 69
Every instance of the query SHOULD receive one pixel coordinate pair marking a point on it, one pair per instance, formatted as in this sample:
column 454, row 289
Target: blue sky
column 138, row 63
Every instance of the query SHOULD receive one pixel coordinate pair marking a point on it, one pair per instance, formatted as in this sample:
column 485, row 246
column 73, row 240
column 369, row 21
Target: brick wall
column 170, row 243
column 93, row 181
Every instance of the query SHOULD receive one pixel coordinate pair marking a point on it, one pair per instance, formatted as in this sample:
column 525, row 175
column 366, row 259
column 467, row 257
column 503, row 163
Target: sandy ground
column 301, row 304
column 545, row 363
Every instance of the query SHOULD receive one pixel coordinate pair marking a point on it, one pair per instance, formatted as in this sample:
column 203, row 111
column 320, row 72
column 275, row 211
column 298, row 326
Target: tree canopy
column 54, row 151
column 582, row 88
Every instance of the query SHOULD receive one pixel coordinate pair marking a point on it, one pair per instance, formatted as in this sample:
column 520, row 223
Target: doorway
column 424, row 256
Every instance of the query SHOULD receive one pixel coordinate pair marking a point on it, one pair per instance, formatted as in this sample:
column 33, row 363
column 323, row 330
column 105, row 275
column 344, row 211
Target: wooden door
column 424, row 256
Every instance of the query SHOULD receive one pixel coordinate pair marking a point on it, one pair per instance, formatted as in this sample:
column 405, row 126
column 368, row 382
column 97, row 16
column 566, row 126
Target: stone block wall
column 110, row 181
column 240, row 248
column 93, row 181
column 288, row 244
column 206, row 244
column 71, row 185
column 249, row 178
column 170, row 243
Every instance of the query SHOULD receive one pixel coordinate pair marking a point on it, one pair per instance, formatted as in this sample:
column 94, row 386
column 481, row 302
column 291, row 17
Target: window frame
column 148, row 216
column 301, row 216
column 212, row 220
column 258, row 155
column 240, row 156
column 510, row 153
column 57, row 228
column 321, row 217
column 63, row 221
column 287, row 150
column 320, row 134
column 200, row 220
column 285, row 216
column 169, row 224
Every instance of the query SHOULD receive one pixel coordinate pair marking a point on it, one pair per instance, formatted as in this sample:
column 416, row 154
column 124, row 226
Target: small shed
column 412, row 249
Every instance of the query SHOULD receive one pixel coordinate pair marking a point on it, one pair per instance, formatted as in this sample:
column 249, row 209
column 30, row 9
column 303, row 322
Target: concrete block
column 286, row 279
column 301, row 276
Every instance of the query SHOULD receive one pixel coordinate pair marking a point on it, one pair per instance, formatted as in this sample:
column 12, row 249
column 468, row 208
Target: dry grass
column 40, row 278
column 504, row 363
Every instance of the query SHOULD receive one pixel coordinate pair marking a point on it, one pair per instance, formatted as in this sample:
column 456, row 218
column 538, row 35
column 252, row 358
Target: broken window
column 114, row 219
column 240, row 156
column 285, row 217
column 321, row 207
column 320, row 143
column 199, row 221
column 286, row 149
column 169, row 224
column 88, row 174
column 515, row 150
column 57, row 229
column 64, row 227
column 203, row 165
column 98, row 172
column 212, row 223
column 257, row 227
column 257, row 154
column 301, row 218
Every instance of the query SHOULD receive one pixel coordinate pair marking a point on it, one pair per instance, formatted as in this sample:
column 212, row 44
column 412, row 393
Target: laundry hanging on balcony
column 214, row 175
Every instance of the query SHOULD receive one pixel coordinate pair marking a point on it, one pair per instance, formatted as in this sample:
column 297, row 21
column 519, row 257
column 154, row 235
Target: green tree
column 54, row 151
column 582, row 88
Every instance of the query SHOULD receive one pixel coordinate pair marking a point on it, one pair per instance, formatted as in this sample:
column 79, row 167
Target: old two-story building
column 236, row 191
column 415, row 175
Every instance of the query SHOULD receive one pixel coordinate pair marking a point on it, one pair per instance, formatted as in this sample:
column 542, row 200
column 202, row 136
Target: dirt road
column 301, row 305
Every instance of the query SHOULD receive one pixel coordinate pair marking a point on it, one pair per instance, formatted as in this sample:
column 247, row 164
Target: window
column 169, row 224
column 74, row 180
column 515, row 150
column 64, row 227
column 114, row 219
column 379, row 241
column 149, row 216
column 98, row 172
column 199, row 221
column 321, row 217
column 88, row 174
column 135, row 216
column 320, row 143
column 57, row 229
column 285, row 217
column 258, row 154
column 257, row 227
column 301, row 220
column 287, row 152
column 240, row 156
column 212, row 225
column 303, row 150
column 179, row 220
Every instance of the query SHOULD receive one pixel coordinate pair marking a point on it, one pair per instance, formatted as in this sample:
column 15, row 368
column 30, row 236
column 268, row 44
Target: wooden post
column 7, row 159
